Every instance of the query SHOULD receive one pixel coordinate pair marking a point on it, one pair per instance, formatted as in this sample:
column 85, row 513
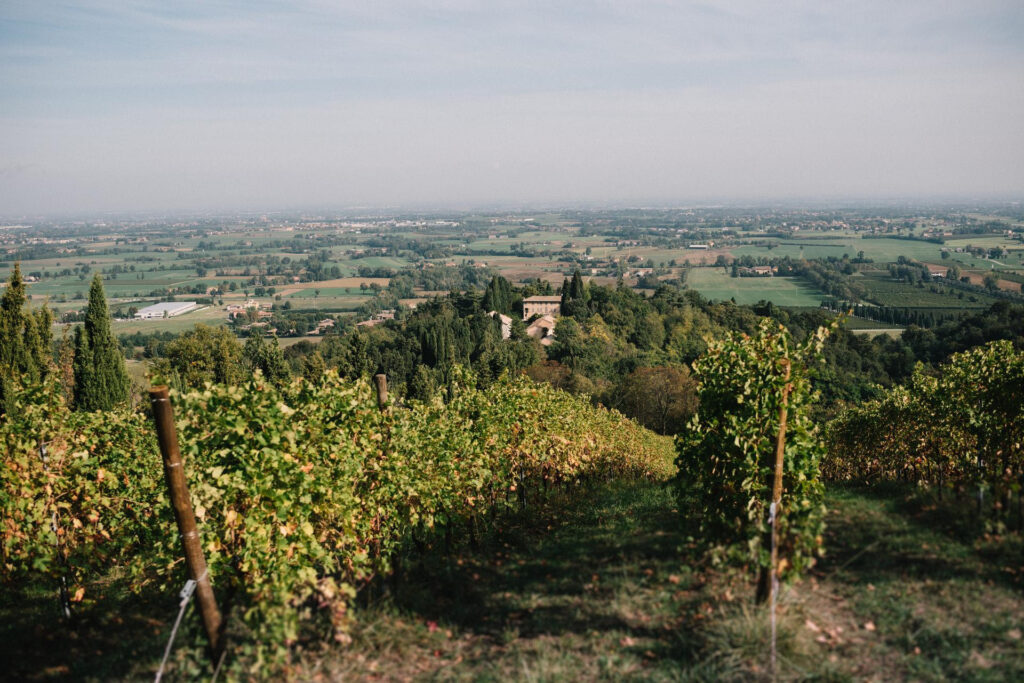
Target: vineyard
column 314, row 496
column 303, row 494
column 959, row 431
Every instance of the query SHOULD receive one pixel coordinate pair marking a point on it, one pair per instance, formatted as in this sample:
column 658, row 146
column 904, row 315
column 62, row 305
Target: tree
column 101, row 381
column 267, row 358
column 576, row 287
column 25, row 339
column 660, row 398
column 498, row 296
column 314, row 367
column 206, row 354
column 574, row 301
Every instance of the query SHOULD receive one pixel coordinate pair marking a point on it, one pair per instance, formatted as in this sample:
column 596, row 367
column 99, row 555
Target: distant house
column 541, row 305
column 698, row 246
column 543, row 328
column 165, row 309
column 378, row 318
column 758, row 271
column 323, row 326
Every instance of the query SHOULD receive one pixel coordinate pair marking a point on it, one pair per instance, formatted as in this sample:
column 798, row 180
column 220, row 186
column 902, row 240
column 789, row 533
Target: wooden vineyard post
column 381, row 380
column 767, row 579
column 175, row 475
column 780, row 448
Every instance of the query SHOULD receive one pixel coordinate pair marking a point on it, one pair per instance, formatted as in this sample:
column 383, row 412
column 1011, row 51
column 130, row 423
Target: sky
column 132, row 105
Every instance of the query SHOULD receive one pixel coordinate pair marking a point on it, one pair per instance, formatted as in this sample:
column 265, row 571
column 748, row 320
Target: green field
column 881, row 250
column 883, row 290
column 716, row 284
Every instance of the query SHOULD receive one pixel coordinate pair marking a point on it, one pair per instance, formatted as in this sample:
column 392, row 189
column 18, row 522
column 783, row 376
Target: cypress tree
column 498, row 295
column 101, row 381
column 576, row 290
column 25, row 339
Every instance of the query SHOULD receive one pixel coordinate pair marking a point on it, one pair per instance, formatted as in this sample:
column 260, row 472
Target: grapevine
column 303, row 493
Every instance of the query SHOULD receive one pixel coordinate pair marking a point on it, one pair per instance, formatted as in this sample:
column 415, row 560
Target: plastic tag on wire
column 187, row 591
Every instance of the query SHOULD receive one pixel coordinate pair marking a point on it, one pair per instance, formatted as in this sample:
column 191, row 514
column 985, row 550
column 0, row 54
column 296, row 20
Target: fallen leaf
column 812, row 626
column 869, row 626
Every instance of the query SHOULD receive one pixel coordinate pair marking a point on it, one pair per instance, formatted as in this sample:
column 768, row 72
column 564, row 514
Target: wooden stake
column 381, row 381
column 780, row 441
column 765, row 582
column 177, row 488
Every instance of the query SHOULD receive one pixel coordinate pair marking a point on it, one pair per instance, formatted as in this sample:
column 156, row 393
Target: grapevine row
column 303, row 493
column 958, row 429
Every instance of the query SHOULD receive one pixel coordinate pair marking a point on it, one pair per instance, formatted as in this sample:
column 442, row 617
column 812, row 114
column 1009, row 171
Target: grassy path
column 598, row 593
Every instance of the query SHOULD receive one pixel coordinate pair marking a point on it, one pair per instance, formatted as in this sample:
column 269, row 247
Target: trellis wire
column 186, row 597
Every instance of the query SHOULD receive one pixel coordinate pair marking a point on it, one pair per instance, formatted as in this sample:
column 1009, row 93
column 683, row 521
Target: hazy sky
column 138, row 105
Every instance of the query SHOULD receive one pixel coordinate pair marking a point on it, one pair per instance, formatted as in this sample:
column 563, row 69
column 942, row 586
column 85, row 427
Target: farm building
column 541, row 305
column 543, row 328
column 166, row 309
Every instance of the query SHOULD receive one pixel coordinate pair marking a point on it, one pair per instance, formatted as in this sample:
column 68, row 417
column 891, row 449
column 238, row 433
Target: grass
column 717, row 284
column 121, row 639
column 595, row 592
column 941, row 600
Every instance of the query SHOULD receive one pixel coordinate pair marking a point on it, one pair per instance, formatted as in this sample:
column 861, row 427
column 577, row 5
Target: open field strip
column 718, row 285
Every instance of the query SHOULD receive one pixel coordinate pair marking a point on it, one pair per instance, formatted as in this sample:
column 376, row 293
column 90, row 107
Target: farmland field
column 882, row 250
column 716, row 284
column 883, row 290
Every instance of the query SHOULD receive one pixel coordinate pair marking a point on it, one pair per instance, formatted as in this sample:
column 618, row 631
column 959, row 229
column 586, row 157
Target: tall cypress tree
column 498, row 295
column 25, row 339
column 566, row 297
column 101, row 381
column 576, row 289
